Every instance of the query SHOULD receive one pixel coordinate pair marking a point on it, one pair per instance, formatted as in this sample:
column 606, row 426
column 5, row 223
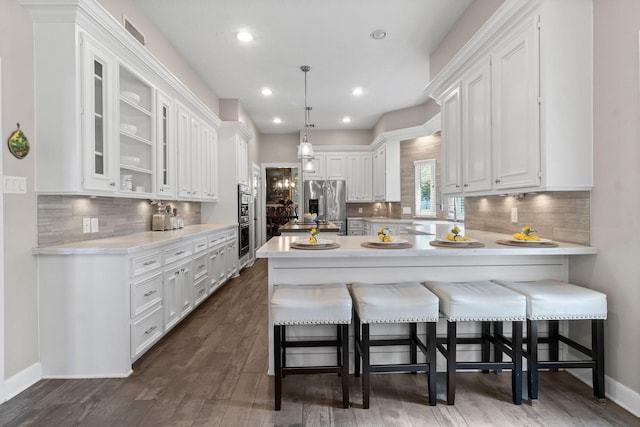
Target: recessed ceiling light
column 277, row 120
column 346, row 119
column 244, row 36
column 378, row 34
column 266, row 91
column 357, row 91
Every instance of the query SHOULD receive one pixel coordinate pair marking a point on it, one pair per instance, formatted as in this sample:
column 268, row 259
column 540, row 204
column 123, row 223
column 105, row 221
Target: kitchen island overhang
column 353, row 263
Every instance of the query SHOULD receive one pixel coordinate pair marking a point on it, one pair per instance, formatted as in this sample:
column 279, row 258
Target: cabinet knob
column 457, row 185
column 466, row 185
column 497, row 181
column 113, row 184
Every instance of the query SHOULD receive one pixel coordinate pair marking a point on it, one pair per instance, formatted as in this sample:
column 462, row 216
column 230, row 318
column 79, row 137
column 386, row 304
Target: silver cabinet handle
column 466, row 185
column 151, row 329
column 497, row 181
column 113, row 184
column 202, row 244
column 180, row 252
column 457, row 185
column 148, row 294
column 149, row 263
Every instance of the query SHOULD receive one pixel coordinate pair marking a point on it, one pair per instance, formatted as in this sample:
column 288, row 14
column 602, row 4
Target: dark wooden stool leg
column 432, row 381
column 339, row 339
column 554, row 344
column 357, row 344
column 451, row 363
column 366, row 366
column 283, row 338
column 486, row 344
column 532, row 359
column 516, row 373
column 597, row 350
column 497, row 354
column 413, row 348
column 277, row 363
column 345, row 365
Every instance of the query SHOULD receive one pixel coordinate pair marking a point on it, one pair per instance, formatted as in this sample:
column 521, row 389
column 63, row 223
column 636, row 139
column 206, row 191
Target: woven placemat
column 386, row 245
column 528, row 244
column 456, row 245
column 319, row 247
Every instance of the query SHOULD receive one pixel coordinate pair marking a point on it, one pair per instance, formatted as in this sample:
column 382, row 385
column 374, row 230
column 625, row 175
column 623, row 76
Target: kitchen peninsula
column 352, row 262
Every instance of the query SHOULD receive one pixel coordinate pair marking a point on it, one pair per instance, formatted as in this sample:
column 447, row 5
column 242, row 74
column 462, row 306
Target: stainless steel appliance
column 243, row 219
column 328, row 200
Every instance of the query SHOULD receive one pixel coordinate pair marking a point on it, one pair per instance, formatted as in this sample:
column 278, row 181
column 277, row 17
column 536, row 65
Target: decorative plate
column 457, row 242
column 394, row 241
column 18, row 144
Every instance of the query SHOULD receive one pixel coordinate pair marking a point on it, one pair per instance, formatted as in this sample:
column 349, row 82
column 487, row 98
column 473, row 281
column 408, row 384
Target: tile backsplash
column 561, row 216
column 60, row 217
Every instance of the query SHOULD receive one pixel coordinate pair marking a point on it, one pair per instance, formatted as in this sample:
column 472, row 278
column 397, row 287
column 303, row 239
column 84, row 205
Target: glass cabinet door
column 97, row 118
column 165, row 145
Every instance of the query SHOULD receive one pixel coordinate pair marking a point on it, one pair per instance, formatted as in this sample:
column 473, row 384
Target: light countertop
column 278, row 247
column 292, row 227
column 131, row 243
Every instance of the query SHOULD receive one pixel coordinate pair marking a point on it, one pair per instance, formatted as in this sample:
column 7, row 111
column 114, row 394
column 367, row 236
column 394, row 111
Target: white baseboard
column 22, row 380
column 617, row 392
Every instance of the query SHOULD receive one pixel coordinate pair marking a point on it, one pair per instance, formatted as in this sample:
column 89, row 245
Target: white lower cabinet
column 99, row 313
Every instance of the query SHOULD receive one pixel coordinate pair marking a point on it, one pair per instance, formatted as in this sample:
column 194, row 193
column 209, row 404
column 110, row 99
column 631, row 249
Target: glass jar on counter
column 127, row 183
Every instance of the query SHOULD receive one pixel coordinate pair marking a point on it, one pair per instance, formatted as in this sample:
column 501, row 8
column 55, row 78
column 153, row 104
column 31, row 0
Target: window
column 425, row 187
column 455, row 208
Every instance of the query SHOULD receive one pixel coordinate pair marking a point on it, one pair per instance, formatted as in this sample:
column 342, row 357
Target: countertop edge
column 132, row 243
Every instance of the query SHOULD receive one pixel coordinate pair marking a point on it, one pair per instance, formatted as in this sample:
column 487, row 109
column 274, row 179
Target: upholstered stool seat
column 553, row 301
column 407, row 302
column 486, row 302
column 328, row 304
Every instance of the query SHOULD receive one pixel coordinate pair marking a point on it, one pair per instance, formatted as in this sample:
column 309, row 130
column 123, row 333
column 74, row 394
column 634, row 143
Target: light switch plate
column 406, row 210
column 14, row 184
column 86, row 225
column 514, row 215
column 359, row 210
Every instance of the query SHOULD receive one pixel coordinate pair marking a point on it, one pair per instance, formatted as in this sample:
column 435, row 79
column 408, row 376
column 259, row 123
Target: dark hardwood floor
column 211, row 371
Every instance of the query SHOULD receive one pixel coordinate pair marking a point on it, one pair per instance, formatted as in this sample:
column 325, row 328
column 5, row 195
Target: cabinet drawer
column 146, row 331
column 145, row 293
column 217, row 240
column 200, row 266
column 200, row 245
column 145, row 263
column 176, row 253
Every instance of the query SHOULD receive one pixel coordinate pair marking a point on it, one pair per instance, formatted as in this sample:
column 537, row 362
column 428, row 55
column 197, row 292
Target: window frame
column 432, row 212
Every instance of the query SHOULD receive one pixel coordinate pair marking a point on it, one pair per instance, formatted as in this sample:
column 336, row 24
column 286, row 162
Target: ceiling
column 331, row 36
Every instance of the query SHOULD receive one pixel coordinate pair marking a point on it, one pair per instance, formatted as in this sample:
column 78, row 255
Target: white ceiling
column 331, row 36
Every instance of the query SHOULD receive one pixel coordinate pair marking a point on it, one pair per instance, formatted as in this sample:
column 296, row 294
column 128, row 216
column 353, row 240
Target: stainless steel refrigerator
column 328, row 199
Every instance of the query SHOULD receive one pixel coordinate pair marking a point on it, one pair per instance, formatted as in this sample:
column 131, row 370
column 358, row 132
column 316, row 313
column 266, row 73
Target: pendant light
column 305, row 149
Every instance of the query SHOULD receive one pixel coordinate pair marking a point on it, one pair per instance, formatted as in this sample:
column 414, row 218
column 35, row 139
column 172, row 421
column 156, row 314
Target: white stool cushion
column 478, row 301
column 556, row 300
column 311, row 304
column 404, row 302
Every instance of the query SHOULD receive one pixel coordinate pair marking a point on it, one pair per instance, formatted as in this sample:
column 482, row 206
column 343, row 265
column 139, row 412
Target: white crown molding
column 90, row 16
column 507, row 16
column 235, row 127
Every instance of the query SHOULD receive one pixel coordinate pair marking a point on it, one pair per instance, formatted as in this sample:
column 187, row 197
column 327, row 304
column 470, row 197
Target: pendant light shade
column 305, row 149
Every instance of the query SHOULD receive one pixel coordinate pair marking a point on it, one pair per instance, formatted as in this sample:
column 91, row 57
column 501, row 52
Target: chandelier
column 305, row 149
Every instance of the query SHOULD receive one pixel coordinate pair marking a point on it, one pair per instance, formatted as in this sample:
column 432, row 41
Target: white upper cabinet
column 166, row 148
column 106, row 115
column 520, row 92
column 136, row 132
column 515, row 113
column 359, row 176
column 335, row 166
column 209, row 158
column 243, row 160
column 100, row 171
column 386, row 172
column 318, row 162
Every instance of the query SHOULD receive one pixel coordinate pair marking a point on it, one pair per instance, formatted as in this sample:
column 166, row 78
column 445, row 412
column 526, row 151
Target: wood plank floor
column 211, row 371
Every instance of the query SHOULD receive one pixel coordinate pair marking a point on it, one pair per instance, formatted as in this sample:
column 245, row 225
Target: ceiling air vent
column 133, row 30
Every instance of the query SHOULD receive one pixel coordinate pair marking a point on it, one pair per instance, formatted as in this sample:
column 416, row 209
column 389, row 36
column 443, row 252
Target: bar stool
column 554, row 300
column 311, row 305
column 407, row 302
column 486, row 302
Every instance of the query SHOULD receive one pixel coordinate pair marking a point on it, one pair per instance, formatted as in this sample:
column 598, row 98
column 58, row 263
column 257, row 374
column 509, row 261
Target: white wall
column 615, row 220
column 20, row 219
